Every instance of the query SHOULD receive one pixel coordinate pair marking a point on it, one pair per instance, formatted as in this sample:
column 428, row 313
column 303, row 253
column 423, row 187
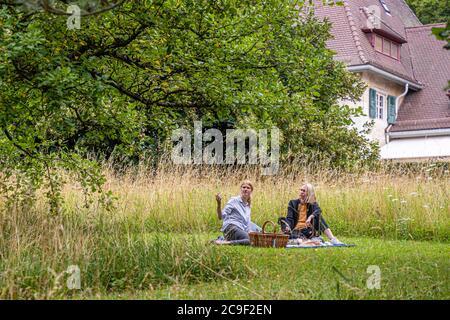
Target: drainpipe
column 396, row 111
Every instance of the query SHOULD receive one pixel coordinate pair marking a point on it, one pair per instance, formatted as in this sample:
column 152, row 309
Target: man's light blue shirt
column 237, row 212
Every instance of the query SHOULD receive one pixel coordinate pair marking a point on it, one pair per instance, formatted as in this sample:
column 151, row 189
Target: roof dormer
column 373, row 23
column 385, row 46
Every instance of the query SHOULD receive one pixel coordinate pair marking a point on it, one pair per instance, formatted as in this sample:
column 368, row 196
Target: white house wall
column 381, row 85
column 416, row 148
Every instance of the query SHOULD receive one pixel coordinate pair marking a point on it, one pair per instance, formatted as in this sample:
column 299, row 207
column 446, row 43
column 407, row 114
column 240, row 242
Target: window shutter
column 391, row 110
column 372, row 103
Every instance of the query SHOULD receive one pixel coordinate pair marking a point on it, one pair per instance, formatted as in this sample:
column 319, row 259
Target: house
column 406, row 70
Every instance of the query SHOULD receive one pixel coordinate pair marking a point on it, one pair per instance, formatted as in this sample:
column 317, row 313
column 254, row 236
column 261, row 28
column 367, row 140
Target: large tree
column 135, row 70
column 431, row 11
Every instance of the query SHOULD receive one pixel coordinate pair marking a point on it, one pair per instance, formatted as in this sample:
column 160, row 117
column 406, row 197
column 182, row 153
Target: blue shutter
column 372, row 103
column 391, row 110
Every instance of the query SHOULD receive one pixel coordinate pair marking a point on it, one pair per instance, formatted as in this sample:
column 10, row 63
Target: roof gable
column 428, row 108
column 423, row 60
column 353, row 44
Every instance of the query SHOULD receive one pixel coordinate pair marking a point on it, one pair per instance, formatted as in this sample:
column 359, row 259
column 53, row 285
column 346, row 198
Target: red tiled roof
column 405, row 13
column 353, row 45
column 380, row 27
column 421, row 124
column 428, row 108
column 423, row 60
column 343, row 42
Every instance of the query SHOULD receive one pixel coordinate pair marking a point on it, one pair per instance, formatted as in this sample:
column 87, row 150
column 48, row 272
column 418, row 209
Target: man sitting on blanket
column 304, row 218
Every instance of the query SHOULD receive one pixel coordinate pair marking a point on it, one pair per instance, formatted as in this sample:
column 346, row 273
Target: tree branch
column 11, row 139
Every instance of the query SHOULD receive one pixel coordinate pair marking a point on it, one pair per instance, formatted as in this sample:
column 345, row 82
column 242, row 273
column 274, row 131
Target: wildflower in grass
column 390, row 195
column 403, row 202
column 414, row 194
column 394, row 200
column 426, row 206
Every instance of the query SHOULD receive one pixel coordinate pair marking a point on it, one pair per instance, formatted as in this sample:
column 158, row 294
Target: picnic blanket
column 313, row 243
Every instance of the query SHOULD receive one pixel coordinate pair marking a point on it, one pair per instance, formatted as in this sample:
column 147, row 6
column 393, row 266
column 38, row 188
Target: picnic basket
column 268, row 239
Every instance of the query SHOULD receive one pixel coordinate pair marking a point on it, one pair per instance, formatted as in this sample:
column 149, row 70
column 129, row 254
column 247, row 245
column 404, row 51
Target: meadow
column 154, row 243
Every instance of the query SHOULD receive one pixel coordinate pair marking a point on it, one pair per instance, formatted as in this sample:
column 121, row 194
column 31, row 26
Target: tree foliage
column 434, row 11
column 431, row 11
column 133, row 73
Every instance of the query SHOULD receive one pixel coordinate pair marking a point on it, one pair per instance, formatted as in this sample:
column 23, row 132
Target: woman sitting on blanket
column 236, row 217
column 304, row 217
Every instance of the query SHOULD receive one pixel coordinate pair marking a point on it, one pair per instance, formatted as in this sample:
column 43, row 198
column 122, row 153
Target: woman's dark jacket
column 292, row 215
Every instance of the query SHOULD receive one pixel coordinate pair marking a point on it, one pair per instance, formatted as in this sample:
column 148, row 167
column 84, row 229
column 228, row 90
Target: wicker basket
column 268, row 240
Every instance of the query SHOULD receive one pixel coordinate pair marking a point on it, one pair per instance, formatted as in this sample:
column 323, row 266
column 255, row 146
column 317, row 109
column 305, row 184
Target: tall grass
column 131, row 246
column 36, row 251
column 396, row 203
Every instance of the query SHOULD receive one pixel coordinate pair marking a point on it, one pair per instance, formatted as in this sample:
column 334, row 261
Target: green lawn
column 409, row 270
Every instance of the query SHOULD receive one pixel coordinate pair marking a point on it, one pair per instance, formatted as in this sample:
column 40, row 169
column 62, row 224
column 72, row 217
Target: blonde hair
column 310, row 193
column 249, row 183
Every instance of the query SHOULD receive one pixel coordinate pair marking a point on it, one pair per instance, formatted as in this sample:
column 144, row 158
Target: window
column 385, row 7
column 381, row 105
column 387, row 47
column 378, row 43
column 395, row 50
